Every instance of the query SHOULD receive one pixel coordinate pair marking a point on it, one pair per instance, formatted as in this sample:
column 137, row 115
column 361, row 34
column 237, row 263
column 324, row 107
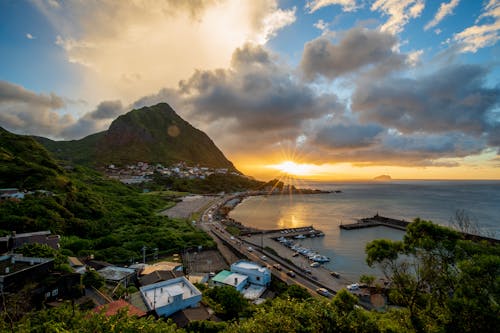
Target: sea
column 437, row 201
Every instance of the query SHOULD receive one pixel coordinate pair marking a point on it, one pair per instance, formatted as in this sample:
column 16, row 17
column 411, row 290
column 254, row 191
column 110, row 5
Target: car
column 354, row 286
column 323, row 292
column 277, row 266
column 290, row 273
column 263, row 258
column 295, row 254
column 250, row 249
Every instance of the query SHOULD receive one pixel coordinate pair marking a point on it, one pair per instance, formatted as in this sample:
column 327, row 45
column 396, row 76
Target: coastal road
column 320, row 278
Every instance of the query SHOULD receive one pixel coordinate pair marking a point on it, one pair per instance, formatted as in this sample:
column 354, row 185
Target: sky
column 318, row 89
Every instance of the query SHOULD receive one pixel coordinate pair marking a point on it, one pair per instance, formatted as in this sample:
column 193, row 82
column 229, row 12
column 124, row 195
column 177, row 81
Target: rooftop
column 10, row 264
column 114, row 273
column 113, row 308
column 253, row 291
column 163, row 293
column 161, row 266
column 249, row 265
column 230, row 278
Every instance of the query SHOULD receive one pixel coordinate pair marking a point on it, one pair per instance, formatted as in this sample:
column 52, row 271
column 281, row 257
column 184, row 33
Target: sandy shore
column 189, row 205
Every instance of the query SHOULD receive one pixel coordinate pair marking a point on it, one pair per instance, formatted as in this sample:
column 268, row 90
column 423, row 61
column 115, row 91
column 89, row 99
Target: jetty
column 378, row 220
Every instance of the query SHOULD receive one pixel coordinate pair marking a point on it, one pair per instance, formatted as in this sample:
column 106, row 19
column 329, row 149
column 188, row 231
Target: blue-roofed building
column 168, row 297
column 256, row 273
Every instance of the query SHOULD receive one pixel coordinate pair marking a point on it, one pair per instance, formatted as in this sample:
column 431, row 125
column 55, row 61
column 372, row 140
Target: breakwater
column 378, row 220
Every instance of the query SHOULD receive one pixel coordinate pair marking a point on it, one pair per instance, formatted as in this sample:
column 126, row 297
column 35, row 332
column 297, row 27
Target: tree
column 297, row 292
column 432, row 270
column 230, row 300
column 92, row 279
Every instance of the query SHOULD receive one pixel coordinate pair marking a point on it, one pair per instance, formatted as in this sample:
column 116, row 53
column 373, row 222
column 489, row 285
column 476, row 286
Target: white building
column 168, row 297
column 256, row 274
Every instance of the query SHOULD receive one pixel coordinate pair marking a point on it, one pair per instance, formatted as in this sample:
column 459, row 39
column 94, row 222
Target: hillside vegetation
column 94, row 215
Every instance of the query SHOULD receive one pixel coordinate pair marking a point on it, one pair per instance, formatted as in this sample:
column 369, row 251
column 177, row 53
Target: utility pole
column 155, row 255
column 144, row 254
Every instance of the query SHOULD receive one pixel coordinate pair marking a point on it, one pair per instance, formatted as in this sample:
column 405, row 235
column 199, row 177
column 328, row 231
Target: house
column 12, row 193
column 77, row 265
column 14, row 240
column 168, row 297
column 16, row 271
column 227, row 278
column 113, row 308
column 256, row 273
column 184, row 317
column 161, row 266
column 114, row 274
column 158, row 276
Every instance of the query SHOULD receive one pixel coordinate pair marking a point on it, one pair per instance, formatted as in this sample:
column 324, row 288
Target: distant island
column 383, row 178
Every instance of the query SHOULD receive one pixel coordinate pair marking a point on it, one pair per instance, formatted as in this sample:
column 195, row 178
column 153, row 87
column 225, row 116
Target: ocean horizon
column 434, row 200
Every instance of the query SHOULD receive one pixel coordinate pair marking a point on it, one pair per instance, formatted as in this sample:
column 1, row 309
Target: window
column 258, row 278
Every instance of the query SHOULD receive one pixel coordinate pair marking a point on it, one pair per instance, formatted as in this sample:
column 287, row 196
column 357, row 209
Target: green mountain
column 154, row 134
column 24, row 163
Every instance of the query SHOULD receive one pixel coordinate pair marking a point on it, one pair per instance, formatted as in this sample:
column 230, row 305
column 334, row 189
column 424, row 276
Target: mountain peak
column 153, row 134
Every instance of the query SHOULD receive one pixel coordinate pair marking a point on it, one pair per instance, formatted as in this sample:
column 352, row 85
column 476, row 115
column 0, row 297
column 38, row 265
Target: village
column 157, row 287
column 143, row 172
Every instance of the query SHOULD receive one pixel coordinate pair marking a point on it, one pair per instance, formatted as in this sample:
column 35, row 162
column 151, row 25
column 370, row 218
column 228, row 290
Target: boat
column 320, row 258
column 299, row 236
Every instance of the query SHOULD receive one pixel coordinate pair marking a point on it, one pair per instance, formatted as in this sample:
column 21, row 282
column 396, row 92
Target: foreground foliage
column 444, row 282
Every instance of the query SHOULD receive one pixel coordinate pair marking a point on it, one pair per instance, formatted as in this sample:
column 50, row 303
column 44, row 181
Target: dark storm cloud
column 107, row 110
column 257, row 94
column 348, row 136
column 358, row 48
column 451, row 99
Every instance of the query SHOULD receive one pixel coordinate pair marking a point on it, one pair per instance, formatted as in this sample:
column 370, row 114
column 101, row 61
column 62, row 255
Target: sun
column 292, row 168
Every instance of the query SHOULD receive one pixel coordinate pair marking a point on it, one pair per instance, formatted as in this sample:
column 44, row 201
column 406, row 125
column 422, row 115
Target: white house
column 168, row 297
column 227, row 278
column 256, row 273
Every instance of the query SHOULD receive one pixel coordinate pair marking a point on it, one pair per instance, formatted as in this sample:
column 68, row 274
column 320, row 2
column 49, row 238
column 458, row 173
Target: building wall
column 177, row 305
column 261, row 278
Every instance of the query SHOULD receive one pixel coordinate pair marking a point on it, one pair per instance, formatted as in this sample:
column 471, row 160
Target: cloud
column 399, row 11
column 30, row 36
column 107, row 110
column 257, row 93
column 444, row 10
column 347, row 5
column 452, row 98
column 357, row 49
column 24, row 111
column 481, row 35
column 128, row 49
column 348, row 136
column 256, row 99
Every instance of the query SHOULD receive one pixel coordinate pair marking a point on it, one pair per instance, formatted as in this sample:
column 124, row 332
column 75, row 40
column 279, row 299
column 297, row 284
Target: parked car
column 277, row 266
column 290, row 273
column 263, row 258
column 354, row 286
column 250, row 249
